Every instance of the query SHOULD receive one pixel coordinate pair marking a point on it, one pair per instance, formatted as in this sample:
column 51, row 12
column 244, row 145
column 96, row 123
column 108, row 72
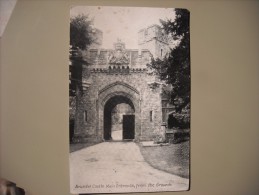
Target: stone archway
column 110, row 96
column 126, row 130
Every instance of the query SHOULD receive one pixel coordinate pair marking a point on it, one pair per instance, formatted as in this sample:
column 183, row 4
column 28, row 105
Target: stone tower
column 155, row 40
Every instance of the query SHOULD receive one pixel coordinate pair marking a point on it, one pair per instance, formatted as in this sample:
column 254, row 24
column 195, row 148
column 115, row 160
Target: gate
column 128, row 127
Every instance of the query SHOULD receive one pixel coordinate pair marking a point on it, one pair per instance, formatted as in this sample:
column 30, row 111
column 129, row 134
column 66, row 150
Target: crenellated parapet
column 119, row 57
column 118, row 70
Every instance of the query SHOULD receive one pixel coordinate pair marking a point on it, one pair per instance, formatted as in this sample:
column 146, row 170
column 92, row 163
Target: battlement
column 119, row 56
column 152, row 41
column 101, row 58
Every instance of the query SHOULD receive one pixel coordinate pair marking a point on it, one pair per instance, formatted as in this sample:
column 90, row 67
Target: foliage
column 81, row 32
column 174, row 68
column 81, row 37
column 75, row 71
column 179, row 120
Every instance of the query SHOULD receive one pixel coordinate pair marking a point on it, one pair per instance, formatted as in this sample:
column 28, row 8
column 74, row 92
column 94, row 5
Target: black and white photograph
column 129, row 99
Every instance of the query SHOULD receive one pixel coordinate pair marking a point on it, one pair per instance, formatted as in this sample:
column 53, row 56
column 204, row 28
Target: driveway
column 111, row 167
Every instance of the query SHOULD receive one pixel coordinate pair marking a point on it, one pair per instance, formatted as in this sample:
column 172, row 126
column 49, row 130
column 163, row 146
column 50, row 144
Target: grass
column 173, row 158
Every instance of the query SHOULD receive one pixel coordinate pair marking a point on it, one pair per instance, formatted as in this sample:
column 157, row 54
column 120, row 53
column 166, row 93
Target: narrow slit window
column 151, row 115
column 85, row 115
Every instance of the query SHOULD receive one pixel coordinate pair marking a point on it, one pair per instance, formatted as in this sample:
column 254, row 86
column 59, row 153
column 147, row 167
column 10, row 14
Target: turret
column 155, row 40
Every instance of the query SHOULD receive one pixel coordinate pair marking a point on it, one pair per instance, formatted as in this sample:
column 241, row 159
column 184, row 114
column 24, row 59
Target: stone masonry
column 121, row 73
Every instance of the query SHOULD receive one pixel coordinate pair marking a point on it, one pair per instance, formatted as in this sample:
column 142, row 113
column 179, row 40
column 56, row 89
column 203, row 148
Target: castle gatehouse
column 120, row 100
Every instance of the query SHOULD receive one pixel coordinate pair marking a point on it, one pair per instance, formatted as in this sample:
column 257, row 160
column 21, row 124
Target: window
column 151, row 116
column 161, row 52
column 85, row 116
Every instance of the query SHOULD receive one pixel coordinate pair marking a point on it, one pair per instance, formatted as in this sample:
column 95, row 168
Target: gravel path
column 112, row 167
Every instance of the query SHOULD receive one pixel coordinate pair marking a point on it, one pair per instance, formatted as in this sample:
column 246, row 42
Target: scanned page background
column 225, row 93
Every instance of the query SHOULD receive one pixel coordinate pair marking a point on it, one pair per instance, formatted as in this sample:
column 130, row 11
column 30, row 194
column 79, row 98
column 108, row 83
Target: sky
column 122, row 22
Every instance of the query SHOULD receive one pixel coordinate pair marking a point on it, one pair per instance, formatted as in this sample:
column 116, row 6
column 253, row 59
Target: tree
column 174, row 68
column 81, row 31
column 81, row 37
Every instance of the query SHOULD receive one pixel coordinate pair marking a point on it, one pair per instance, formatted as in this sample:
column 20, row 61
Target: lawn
column 172, row 158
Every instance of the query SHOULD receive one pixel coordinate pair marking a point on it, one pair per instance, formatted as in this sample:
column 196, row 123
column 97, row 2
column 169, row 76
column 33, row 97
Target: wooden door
column 128, row 126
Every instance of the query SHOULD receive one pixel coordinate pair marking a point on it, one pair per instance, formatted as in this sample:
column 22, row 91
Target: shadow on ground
column 172, row 158
column 78, row 146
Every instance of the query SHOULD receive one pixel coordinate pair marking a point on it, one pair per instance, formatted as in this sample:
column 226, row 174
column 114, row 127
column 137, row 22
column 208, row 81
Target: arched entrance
column 119, row 119
column 108, row 98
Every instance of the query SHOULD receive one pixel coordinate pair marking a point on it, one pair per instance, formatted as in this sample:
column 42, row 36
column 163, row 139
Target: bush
column 179, row 121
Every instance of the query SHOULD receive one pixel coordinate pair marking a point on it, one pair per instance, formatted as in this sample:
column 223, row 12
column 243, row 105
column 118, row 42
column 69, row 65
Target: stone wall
column 100, row 57
column 153, row 39
column 148, row 100
column 122, row 72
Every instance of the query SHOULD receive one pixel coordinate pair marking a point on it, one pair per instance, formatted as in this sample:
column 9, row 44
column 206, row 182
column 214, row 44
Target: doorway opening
column 119, row 119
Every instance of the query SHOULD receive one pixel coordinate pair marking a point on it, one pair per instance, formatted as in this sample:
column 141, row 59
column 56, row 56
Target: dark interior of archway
column 110, row 104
